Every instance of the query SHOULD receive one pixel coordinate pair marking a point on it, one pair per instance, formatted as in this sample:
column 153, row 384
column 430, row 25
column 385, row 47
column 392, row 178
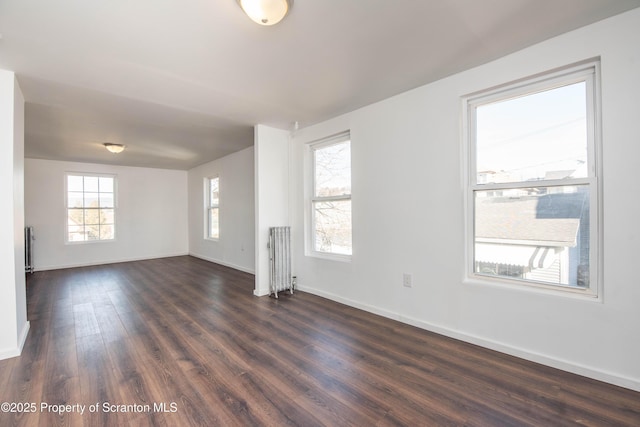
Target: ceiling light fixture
column 266, row 12
column 114, row 148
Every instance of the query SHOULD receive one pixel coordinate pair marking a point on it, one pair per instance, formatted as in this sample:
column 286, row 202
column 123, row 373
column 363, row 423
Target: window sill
column 533, row 287
column 88, row 242
column 329, row 256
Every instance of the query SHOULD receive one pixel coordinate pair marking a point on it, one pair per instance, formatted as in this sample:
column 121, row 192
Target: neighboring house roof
column 559, row 174
column 547, row 220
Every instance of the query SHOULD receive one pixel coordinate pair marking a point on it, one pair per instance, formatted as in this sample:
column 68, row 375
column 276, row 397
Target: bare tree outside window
column 331, row 202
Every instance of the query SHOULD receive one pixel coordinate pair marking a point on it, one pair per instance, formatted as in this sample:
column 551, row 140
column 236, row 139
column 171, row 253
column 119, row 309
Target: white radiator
column 28, row 250
column 280, row 260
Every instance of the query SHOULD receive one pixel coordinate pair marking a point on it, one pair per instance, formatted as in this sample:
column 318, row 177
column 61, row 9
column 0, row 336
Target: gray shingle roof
column 550, row 219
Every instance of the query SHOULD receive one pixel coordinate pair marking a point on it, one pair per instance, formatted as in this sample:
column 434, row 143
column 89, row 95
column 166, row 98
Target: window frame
column 66, row 206
column 208, row 206
column 312, row 147
column 588, row 72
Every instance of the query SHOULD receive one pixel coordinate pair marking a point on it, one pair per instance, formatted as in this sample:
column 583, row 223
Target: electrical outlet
column 407, row 280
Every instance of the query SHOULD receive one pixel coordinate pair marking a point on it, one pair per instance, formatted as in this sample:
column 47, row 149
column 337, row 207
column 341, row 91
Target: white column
column 272, row 194
column 13, row 302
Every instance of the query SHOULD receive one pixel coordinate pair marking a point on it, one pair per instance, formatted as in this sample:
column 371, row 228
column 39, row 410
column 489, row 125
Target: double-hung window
column 90, row 207
column 212, row 198
column 532, row 195
column 330, row 231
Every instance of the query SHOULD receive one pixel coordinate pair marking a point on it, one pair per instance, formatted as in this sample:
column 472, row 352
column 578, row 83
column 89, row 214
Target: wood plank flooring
column 187, row 343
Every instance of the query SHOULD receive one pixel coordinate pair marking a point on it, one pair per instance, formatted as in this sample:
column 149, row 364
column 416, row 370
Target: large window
column 213, row 208
column 331, row 196
column 90, row 207
column 533, row 190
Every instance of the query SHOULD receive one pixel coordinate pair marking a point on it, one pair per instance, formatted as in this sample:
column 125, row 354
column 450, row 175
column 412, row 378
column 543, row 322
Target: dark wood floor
column 189, row 334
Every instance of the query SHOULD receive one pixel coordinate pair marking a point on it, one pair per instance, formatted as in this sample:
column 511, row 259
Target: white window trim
column 588, row 71
column 66, row 207
column 311, row 199
column 208, row 206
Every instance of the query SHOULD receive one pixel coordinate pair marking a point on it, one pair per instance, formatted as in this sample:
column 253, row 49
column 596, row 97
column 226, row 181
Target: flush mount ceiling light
column 114, row 148
column 266, row 12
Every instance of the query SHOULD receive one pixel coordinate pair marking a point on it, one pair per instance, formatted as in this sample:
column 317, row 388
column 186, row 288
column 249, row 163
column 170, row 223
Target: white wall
column 13, row 306
column 235, row 248
column 271, row 194
column 151, row 214
column 408, row 216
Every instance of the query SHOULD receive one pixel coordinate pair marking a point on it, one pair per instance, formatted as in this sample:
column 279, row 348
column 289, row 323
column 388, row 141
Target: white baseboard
column 15, row 352
column 23, row 336
column 89, row 264
column 261, row 293
column 226, row 264
column 553, row 362
column 8, row 354
column 103, row 262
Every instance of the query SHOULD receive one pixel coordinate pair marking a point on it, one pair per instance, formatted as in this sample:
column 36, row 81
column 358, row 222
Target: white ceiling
column 181, row 83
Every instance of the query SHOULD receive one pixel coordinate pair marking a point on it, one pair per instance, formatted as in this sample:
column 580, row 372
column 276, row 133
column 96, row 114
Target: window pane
column 333, row 170
column 75, row 217
column 539, row 234
column 106, row 184
column 214, row 191
column 332, row 232
column 93, row 232
column 75, row 200
column 91, row 184
column 539, row 136
column 75, row 233
column 214, row 223
column 74, row 183
column 106, row 216
column 91, row 216
column 106, row 200
column 106, row 232
column 91, row 200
